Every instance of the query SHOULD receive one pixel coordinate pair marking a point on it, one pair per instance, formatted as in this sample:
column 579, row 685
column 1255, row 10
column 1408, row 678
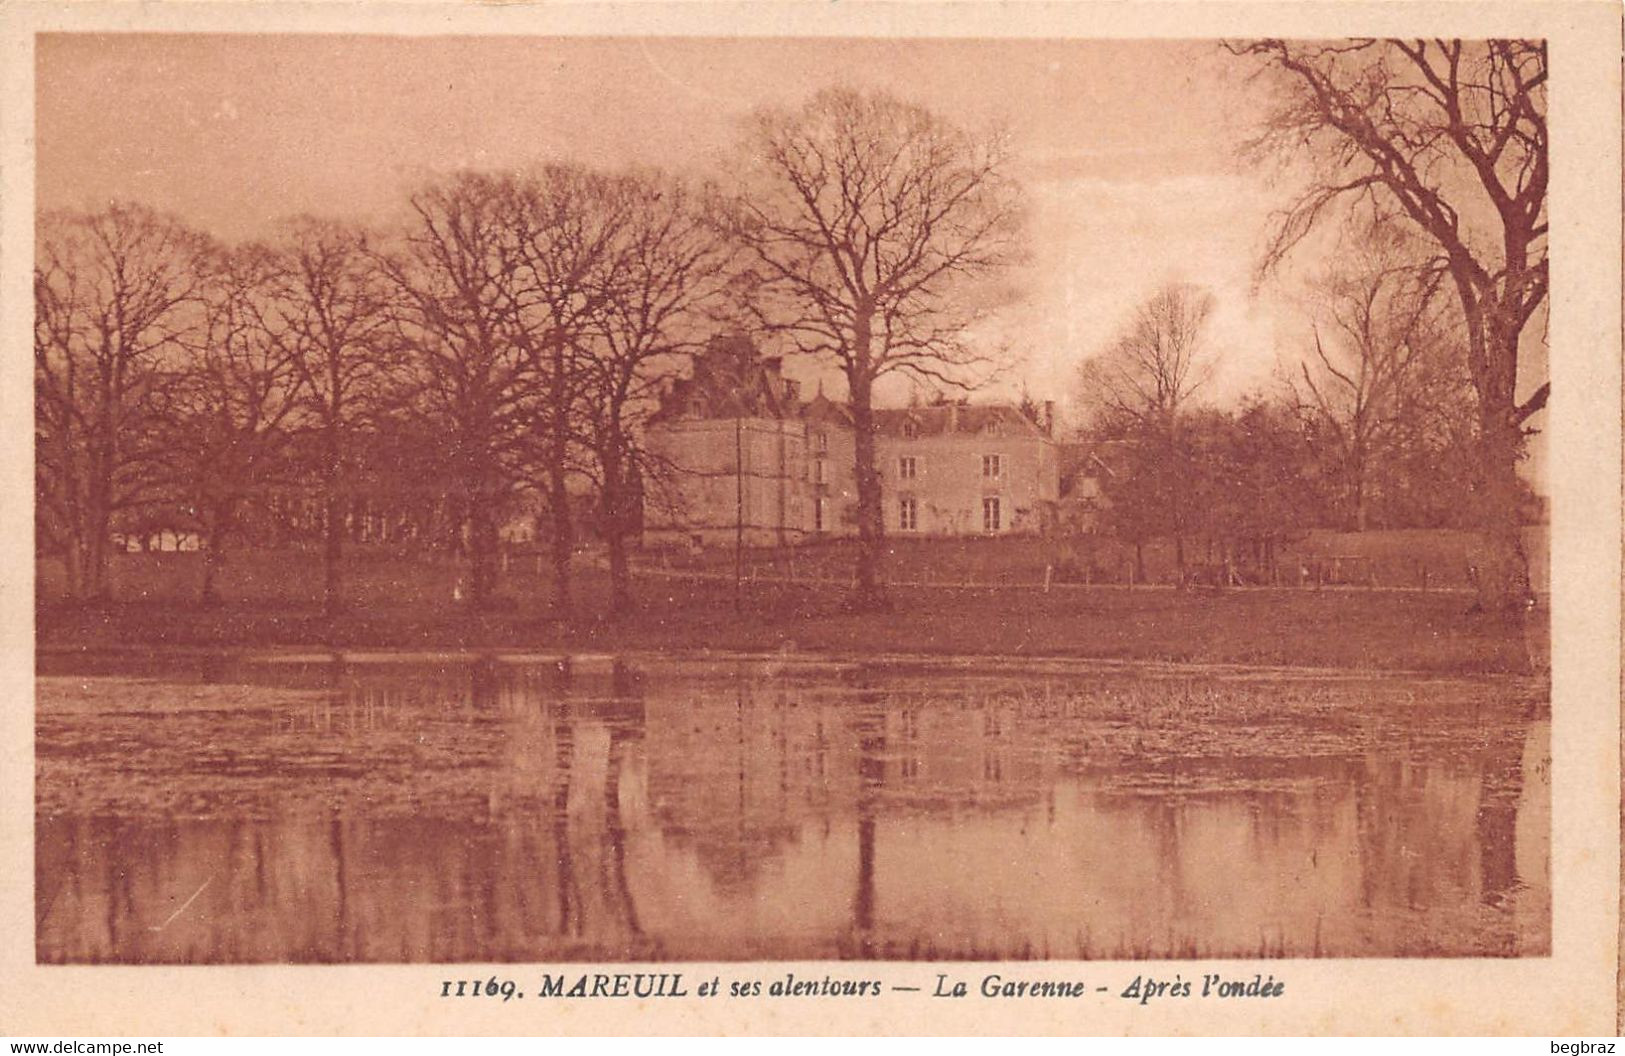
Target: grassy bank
column 271, row 600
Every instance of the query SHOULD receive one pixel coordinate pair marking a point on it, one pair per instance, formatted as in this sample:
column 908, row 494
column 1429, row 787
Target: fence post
column 1048, row 569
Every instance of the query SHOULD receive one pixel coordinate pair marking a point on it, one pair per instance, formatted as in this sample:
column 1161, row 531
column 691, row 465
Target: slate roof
column 965, row 419
column 731, row 379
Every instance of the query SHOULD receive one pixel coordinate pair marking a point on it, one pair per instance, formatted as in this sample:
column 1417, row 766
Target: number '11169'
column 506, row 989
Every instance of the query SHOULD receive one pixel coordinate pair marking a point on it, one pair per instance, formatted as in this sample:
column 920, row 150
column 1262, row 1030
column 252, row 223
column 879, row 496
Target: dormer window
column 911, row 429
column 821, row 442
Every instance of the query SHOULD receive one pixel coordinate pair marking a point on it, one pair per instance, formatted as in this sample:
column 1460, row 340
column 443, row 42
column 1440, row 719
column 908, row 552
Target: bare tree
column 867, row 221
column 226, row 423
column 561, row 224
column 1451, row 135
column 1157, row 363
column 330, row 314
column 1140, row 388
column 1377, row 321
column 667, row 276
column 456, row 281
column 112, row 292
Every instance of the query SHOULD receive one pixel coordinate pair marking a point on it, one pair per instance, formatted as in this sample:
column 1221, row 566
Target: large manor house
column 742, row 455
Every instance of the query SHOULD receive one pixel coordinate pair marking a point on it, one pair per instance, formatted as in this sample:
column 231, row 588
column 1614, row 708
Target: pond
column 426, row 808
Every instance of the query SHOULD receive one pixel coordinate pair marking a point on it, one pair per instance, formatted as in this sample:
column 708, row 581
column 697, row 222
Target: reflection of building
column 746, row 457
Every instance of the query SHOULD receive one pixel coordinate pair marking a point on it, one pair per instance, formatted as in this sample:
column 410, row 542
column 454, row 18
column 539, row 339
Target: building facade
column 728, row 455
column 743, row 457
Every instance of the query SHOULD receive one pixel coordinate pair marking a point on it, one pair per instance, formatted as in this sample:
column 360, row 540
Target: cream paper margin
column 1573, row 992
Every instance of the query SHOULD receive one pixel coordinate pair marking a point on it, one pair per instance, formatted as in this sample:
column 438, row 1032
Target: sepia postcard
column 863, row 518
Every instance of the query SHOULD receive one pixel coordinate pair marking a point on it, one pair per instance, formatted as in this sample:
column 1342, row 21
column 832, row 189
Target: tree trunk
column 99, row 503
column 615, row 519
column 869, row 593
column 73, row 566
column 482, row 551
column 332, row 546
column 93, row 574
column 209, row 594
column 1502, row 572
column 558, row 500
column 558, row 493
column 620, row 582
column 1503, row 567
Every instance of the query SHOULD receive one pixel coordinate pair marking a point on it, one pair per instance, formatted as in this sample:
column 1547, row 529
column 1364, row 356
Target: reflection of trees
column 563, row 761
column 1500, row 790
column 484, row 685
column 534, row 814
column 870, row 728
column 626, row 695
column 341, row 881
column 1438, row 831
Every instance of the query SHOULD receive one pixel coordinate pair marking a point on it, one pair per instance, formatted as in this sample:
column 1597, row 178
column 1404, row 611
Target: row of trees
column 507, row 334
column 1371, row 424
column 507, row 337
column 1427, row 161
column 504, row 339
column 1446, row 139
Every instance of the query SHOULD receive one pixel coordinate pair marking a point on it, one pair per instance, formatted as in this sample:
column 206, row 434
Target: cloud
column 1102, row 245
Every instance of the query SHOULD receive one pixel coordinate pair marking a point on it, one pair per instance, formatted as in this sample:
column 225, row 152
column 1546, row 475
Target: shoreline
column 1431, row 635
column 598, row 662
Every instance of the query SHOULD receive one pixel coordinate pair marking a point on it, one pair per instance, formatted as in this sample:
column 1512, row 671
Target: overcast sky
column 1127, row 148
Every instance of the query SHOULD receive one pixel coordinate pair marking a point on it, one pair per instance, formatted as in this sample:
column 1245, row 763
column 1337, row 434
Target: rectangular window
column 906, row 467
column 818, row 472
column 990, row 513
column 992, row 466
column 906, row 519
column 818, row 514
column 821, row 442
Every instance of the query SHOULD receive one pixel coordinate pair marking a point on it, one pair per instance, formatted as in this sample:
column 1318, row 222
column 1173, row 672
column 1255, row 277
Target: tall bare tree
column 666, row 280
column 113, row 293
column 226, row 425
column 1157, row 363
column 330, row 314
column 561, row 224
column 868, row 222
column 1377, row 322
column 1140, row 389
column 456, row 279
column 1450, row 135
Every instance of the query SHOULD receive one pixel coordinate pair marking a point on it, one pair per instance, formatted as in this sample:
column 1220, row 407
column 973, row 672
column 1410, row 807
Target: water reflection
column 337, row 809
